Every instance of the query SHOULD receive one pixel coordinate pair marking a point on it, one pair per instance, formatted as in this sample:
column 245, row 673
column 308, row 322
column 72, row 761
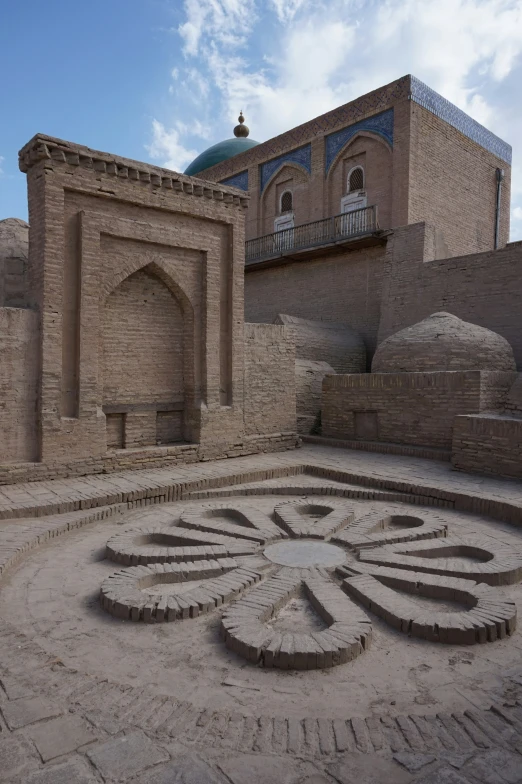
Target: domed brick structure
column 14, row 250
column 443, row 342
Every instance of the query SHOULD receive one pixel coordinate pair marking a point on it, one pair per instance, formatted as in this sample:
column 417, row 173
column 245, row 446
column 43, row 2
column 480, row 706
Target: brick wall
column 18, row 384
column 488, row 444
column 142, row 343
column 344, row 288
column 407, row 408
column 14, row 248
column 452, row 185
column 137, row 274
column 269, row 380
column 483, row 288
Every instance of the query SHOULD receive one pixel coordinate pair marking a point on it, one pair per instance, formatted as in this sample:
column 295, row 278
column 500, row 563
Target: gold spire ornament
column 241, row 130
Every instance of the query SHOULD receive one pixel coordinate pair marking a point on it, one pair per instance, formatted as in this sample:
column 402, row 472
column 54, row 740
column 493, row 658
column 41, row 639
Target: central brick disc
column 305, row 554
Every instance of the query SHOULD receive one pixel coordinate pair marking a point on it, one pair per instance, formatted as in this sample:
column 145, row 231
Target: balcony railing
column 322, row 232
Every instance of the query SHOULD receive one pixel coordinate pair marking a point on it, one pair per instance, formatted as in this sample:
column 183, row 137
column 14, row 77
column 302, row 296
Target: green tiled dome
column 221, row 151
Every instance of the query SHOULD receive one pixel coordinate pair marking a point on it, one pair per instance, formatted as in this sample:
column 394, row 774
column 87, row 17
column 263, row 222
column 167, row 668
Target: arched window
column 356, row 180
column 287, row 202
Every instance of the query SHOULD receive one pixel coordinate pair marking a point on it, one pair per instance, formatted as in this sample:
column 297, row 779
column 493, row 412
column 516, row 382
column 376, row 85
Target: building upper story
column 399, row 155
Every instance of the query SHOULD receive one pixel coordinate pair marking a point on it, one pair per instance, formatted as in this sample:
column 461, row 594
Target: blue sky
column 160, row 80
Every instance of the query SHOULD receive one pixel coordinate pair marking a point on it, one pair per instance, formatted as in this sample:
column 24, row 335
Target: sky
column 161, row 80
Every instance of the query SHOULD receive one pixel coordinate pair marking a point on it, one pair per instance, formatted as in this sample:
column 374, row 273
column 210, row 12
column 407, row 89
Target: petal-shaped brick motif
column 399, row 556
column 393, row 525
column 123, row 594
column 498, row 564
column 330, row 515
column 485, row 617
column 170, row 545
column 244, row 523
column 244, row 628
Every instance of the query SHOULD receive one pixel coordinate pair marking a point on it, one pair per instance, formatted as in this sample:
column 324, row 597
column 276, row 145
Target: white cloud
column 287, row 9
column 517, row 213
column 166, row 146
column 286, row 61
column 226, row 21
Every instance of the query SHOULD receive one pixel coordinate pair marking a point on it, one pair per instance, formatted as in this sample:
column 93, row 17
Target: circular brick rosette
column 316, row 551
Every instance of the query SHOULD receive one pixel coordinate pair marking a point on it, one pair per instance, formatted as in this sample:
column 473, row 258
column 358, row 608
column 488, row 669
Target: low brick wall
column 149, row 457
column 407, row 408
column 488, row 443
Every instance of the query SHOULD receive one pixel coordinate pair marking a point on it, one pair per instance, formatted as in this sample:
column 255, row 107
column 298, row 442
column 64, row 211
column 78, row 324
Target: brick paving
column 60, row 724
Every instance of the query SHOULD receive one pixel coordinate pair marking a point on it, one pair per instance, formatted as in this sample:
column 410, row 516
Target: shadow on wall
column 321, row 348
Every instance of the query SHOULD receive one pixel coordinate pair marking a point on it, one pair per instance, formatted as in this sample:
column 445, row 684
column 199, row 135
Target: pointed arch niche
column 373, row 155
column 143, row 362
column 290, row 178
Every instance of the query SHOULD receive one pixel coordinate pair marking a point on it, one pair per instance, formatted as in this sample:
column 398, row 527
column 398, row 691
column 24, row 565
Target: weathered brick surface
column 344, row 288
column 408, row 408
column 136, row 281
column 18, row 384
column 269, row 402
column 488, row 443
column 483, row 288
column 14, row 247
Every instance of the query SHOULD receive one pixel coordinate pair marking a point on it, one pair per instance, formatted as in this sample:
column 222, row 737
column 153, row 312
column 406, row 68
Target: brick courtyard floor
column 87, row 697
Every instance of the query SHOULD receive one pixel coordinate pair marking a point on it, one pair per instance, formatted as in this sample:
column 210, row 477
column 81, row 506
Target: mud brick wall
column 488, row 444
column 483, row 288
column 269, row 380
column 18, row 384
column 14, row 251
column 407, row 408
column 452, row 185
column 344, row 288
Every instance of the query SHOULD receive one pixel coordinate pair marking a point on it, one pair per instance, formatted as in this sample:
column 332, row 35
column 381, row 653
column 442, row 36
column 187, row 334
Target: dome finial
column 241, row 130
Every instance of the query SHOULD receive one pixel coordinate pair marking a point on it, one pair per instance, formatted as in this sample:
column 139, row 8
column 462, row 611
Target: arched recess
column 290, row 177
column 374, row 155
column 146, row 359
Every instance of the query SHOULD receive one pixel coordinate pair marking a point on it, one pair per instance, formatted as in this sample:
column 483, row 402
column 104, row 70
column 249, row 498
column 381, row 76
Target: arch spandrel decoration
column 301, row 157
column 237, row 180
column 379, row 124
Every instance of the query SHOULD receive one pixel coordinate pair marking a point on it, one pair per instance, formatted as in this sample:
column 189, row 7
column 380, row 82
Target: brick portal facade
column 134, row 349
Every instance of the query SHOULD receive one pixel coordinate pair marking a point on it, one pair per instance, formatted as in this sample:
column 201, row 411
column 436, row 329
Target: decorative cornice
column 301, row 157
column 423, row 95
column 57, row 152
column 239, row 180
column 372, row 103
column 381, row 124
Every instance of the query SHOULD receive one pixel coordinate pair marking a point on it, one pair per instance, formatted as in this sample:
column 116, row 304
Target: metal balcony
column 330, row 231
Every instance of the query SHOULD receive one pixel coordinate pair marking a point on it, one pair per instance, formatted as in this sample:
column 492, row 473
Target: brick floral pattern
column 389, row 553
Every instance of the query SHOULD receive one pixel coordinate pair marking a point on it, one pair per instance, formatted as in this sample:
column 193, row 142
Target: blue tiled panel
column 435, row 103
column 237, row 181
column 381, row 124
column 302, row 156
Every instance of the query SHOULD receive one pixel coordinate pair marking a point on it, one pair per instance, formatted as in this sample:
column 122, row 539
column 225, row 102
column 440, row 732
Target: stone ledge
column 385, row 448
